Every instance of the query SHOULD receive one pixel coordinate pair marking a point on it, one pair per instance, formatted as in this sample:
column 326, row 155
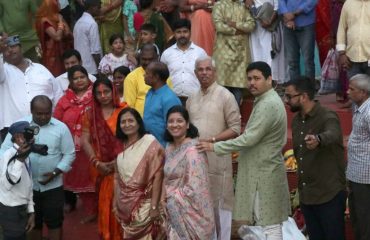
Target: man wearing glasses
column 318, row 148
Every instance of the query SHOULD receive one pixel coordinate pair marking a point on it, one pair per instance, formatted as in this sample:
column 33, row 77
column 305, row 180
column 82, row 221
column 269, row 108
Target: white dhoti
column 260, row 42
column 223, row 219
column 272, row 232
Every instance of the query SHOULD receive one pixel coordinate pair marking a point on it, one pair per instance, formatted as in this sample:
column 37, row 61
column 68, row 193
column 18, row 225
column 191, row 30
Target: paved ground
column 74, row 230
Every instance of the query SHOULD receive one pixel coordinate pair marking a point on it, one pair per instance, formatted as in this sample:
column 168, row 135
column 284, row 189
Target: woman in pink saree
column 199, row 12
column 188, row 201
column 138, row 186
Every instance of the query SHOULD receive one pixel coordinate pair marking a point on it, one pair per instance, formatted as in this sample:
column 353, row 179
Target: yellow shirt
column 135, row 89
column 353, row 35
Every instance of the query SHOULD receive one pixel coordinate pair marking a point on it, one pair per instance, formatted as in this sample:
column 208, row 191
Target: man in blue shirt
column 159, row 99
column 47, row 170
column 299, row 35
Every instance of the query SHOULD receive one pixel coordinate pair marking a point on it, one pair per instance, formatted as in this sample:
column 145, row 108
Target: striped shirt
column 358, row 168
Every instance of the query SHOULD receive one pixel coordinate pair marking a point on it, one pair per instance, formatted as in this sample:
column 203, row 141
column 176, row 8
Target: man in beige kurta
column 233, row 24
column 214, row 111
column 262, row 196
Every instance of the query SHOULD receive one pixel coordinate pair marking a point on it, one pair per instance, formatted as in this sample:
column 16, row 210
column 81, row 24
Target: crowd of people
column 133, row 107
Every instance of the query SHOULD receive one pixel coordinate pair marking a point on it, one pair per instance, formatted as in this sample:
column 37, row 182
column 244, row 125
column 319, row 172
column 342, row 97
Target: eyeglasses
column 289, row 97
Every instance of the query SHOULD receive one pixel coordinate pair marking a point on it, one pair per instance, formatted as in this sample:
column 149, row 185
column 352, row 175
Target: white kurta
column 260, row 42
column 18, row 88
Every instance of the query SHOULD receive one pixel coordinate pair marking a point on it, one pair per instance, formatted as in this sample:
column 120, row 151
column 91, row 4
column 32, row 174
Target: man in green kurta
column 17, row 18
column 262, row 196
column 233, row 24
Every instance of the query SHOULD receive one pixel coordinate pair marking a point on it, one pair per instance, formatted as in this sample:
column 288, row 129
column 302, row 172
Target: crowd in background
column 138, row 104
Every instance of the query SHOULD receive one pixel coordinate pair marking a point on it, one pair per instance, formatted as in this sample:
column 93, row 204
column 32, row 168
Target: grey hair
column 205, row 58
column 362, row 82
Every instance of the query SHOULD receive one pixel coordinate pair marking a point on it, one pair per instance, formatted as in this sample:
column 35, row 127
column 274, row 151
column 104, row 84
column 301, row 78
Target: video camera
column 29, row 133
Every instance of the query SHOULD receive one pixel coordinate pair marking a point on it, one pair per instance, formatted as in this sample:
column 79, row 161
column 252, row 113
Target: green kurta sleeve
column 219, row 21
column 246, row 26
column 259, row 123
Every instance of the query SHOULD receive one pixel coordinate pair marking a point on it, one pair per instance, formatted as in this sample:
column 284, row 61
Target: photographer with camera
column 52, row 153
column 16, row 204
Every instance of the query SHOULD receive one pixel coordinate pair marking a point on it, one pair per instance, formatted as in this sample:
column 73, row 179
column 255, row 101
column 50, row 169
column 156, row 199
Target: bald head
column 41, row 100
column 41, row 109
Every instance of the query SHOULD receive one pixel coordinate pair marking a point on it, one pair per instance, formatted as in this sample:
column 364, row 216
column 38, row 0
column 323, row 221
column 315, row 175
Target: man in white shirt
column 20, row 81
column 16, row 203
column 86, row 37
column 180, row 59
column 71, row 58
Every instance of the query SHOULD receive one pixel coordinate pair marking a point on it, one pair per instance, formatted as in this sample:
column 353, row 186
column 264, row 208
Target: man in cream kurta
column 214, row 111
column 262, row 196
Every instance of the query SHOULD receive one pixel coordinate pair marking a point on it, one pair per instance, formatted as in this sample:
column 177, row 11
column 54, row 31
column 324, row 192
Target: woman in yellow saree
column 110, row 21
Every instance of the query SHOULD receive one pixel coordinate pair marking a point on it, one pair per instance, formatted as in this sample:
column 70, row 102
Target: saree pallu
column 323, row 29
column 70, row 110
column 106, row 148
column 188, row 200
column 51, row 50
column 136, row 169
column 110, row 24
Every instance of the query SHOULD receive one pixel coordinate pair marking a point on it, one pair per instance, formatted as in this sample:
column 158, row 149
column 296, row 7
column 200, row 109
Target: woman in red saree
column 100, row 144
column 199, row 13
column 54, row 35
column 70, row 110
column 323, row 29
column 138, row 188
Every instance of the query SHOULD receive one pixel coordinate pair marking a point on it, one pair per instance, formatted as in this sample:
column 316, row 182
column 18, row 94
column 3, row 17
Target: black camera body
column 29, row 133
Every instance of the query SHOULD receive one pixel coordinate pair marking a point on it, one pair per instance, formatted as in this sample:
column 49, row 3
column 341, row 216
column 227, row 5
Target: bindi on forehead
column 101, row 88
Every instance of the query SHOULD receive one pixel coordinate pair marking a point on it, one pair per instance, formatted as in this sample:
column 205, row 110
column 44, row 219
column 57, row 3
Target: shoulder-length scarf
column 77, row 107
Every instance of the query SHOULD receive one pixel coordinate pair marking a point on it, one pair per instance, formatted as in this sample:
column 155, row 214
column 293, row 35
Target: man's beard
column 183, row 41
column 295, row 108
